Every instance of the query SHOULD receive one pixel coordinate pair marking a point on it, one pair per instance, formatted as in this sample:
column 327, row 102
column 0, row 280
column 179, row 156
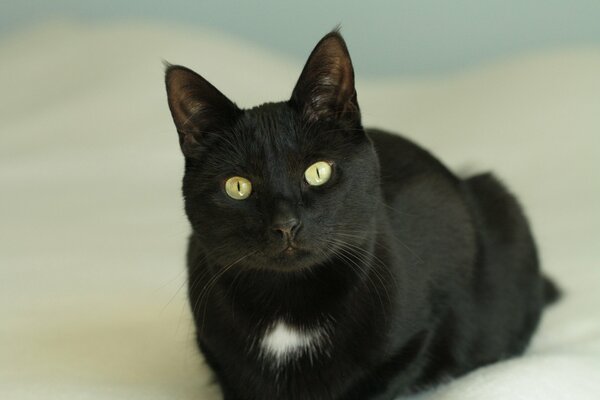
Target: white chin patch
column 283, row 342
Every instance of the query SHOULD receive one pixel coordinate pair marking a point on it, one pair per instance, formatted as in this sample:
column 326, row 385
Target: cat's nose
column 285, row 220
column 287, row 227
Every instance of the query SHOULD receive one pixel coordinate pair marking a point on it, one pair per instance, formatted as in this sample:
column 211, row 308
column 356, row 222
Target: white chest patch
column 283, row 341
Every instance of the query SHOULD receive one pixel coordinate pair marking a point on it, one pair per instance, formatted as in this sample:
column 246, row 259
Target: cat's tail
column 551, row 292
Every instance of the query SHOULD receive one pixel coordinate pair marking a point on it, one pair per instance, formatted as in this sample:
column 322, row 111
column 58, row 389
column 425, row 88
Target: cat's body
column 400, row 273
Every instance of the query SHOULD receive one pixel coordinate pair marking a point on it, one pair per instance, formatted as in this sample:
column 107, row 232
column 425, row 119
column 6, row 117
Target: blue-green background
column 386, row 37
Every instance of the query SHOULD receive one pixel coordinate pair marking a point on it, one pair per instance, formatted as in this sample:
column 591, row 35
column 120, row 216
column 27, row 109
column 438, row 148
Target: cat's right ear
column 198, row 108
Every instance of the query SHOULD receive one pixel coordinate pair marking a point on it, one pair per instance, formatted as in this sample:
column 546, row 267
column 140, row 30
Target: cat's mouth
column 291, row 249
column 291, row 255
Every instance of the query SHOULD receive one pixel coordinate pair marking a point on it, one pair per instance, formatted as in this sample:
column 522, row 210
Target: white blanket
column 92, row 231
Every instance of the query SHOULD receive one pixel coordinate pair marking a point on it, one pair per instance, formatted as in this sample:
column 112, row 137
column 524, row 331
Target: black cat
column 332, row 262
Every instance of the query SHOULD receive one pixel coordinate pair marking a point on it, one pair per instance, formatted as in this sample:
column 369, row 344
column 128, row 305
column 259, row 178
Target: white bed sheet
column 92, row 232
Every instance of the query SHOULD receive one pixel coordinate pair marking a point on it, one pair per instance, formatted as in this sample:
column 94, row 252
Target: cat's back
column 403, row 161
column 412, row 178
column 425, row 209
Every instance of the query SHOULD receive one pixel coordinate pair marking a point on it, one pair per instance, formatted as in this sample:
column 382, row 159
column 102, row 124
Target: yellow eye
column 318, row 173
column 238, row 188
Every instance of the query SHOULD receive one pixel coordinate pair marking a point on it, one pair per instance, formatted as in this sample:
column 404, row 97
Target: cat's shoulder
column 401, row 158
column 382, row 139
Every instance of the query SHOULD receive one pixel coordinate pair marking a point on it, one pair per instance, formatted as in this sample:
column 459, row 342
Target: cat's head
column 285, row 185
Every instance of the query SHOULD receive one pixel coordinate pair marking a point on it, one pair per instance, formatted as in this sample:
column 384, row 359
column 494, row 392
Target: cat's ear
column 197, row 107
column 325, row 89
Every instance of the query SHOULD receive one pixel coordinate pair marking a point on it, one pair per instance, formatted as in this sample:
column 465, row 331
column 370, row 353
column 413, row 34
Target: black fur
column 415, row 274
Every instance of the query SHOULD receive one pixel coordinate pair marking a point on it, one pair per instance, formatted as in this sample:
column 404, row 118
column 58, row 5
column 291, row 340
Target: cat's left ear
column 325, row 89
